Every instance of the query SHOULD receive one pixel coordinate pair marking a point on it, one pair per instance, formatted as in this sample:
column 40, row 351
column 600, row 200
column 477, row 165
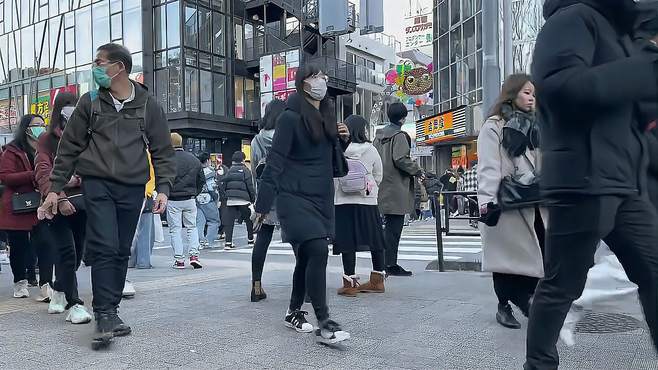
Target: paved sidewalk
column 203, row 319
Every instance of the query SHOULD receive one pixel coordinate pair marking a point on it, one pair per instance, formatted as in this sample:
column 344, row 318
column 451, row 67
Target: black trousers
column 41, row 242
column 392, row 233
column 19, row 244
column 514, row 288
column 263, row 240
column 68, row 242
column 113, row 211
column 349, row 262
column 628, row 225
column 234, row 213
column 311, row 275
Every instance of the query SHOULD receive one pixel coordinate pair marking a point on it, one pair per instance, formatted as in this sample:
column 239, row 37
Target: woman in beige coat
column 512, row 250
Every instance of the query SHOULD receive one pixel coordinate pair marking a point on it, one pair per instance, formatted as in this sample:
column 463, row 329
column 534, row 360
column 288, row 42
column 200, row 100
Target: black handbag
column 339, row 161
column 25, row 203
column 513, row 194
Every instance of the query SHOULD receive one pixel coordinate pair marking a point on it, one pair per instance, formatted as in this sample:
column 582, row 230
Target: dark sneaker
column 505, row 317
column 257, row 292
column 119, row 328
column 330, row 332
column 251, row 243
column 297, row 320
column 194, row 261
column 229, row 247
column 104, row 331
column 179, row 265
column 396, row 270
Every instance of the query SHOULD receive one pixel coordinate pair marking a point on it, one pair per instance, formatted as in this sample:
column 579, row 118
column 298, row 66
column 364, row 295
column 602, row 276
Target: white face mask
column 318, row 88
column 67, row 112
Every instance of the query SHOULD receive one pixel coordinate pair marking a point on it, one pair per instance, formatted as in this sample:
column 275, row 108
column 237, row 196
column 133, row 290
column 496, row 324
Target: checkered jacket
column 469, row 181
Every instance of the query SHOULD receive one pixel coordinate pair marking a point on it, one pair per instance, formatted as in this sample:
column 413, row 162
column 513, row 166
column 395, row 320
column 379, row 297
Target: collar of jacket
column 621, row 13
column 141, row 96
column 13, row 148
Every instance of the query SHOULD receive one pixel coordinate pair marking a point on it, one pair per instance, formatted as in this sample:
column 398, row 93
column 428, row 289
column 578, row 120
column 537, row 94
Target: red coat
column 17, row 174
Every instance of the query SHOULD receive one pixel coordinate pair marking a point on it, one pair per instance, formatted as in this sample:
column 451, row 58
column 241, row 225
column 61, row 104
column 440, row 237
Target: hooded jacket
column 396, row 191
column 368, row 155
column 17, row 176
column 590, row 79
column 114, row 146
column 189, row 179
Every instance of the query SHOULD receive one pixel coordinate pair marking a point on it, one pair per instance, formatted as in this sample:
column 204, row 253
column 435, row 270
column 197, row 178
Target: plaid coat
column 469, row 181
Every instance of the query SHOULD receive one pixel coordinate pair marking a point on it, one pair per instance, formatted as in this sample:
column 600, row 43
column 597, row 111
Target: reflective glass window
column 27, row 46
column 219, row 4
column 239, row 97
column 84, row 79
column 173, row 57
column 219, row 37
column 160, row 59
column 116, row 27
column 206, row 92
column 41, row 47
column 173, row 25
column 219, row 98
column 54, row 7
column 469, row 37
column 455, row 44
column 191, row 89
column 205, row 61
column 56, row 50
column 455, row 12
column 175, row 90
column 63, row 6
column 132, row 25
column 205, row 29
column 115, row 6
column 161, row 87
column 101, row 20
column 84, row 50
column 191, row 25
column 160, row 27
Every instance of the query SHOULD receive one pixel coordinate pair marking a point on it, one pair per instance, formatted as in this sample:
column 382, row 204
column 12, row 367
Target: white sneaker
column 568, row 331
column 57, row 302
column 44, row 293
column 331, row 333
column 78, row 315
column 20, row 289
column 128, row 290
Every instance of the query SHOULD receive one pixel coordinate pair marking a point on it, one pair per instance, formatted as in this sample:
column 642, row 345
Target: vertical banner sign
column 418, row 31
column 266, row 73
column 292, row 64
column 279, row 72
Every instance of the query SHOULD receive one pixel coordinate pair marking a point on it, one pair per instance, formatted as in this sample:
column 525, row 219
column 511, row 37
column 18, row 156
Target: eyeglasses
column 320, row 76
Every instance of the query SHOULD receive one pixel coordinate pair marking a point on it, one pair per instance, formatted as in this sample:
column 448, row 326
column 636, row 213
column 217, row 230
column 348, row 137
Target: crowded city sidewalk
column 203, row 319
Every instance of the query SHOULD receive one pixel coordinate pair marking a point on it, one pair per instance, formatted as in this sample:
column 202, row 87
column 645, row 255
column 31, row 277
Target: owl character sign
column 412, row 84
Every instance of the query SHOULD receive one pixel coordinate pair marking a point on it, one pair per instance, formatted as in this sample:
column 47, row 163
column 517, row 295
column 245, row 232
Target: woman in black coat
column 299, row 174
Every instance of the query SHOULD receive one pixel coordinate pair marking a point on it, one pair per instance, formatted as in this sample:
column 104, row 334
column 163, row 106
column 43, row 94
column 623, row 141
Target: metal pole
column 507, row 37
column 439, row 230
column 490, row 63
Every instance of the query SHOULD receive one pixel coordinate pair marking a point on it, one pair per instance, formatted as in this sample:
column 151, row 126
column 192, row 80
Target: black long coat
column 299, row 174
column 589, row 80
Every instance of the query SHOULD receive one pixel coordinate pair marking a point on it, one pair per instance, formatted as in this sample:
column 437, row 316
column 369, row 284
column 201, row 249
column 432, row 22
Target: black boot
column 506, row 318
column 257, row 292
column 104, row 331
column 119, row 328
column 397, row 270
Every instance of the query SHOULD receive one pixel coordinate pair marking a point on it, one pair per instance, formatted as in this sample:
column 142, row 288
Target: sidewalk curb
column 455, row 266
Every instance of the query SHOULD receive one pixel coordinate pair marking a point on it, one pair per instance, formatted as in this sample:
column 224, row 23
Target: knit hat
column 176, row 140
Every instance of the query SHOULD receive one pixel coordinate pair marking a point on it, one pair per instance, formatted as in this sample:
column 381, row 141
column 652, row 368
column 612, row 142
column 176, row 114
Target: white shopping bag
column 159, row 231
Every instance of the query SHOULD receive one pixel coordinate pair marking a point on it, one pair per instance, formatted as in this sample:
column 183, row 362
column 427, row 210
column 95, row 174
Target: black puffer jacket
column 590, row 79
column 238, row 184
column 189, row 176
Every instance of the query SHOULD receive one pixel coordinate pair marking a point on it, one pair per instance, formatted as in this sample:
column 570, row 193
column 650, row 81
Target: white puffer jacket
column 368, row 155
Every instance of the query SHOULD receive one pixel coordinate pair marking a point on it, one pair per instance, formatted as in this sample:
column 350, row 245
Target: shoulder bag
column 513, row 194
column 25, row 203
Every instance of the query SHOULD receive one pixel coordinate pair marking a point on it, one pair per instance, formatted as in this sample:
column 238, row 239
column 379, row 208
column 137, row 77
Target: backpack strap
column 142, row 124
column 95, row 113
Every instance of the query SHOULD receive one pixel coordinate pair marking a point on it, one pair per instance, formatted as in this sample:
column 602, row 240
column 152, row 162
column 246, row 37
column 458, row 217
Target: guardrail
column 441, row 203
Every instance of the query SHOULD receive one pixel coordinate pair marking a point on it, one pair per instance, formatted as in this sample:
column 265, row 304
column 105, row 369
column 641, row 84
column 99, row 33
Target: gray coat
column 396, row 192
column 511, row 246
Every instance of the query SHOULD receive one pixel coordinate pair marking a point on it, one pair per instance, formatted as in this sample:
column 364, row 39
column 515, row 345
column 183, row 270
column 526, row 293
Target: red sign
column 73, row 89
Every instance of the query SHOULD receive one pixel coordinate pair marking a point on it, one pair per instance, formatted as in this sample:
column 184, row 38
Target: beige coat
column 511, row 246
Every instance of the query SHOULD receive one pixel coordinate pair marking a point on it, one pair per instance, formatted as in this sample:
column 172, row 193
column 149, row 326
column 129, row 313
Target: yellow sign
column 41, row 106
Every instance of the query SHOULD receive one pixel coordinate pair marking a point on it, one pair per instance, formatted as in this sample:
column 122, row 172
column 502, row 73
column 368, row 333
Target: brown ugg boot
column 350, row 286
column 375, row 285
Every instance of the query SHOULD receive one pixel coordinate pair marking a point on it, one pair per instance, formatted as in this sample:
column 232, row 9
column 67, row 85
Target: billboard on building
column 277, row 76
column 442, row 127
column 334, row 17
column 418, row 31
column 371, row 16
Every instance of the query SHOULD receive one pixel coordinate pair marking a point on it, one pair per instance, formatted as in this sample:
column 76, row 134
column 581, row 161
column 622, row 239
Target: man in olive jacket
column 105, row 142
column 396, row 192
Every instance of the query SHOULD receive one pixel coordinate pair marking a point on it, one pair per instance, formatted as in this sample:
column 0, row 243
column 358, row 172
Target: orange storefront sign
column 441, row 127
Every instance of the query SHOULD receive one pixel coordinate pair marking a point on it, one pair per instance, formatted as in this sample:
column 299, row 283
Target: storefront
column 452, row 138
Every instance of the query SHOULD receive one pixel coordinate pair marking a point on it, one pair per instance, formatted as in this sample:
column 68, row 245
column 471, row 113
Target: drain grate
column 602, row 323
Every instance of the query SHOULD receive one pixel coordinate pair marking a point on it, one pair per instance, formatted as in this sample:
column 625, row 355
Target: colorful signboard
column 277, row 76
column 266, row 74
column 418, row 31
column 441, row 127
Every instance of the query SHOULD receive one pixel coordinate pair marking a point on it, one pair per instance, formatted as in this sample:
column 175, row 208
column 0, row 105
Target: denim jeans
column 208, row 213
column 140, row 256
column 181, row 217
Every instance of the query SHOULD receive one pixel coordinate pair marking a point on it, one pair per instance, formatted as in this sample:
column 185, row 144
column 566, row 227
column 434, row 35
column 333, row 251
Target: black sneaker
column 104, row 331
column 297, row 320
column 330, row 332
column 397, row 270
column 505, row 317
column 251, row 243
column 119, row 328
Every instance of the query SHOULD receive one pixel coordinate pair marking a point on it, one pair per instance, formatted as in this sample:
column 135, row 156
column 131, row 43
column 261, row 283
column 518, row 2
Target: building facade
column 198, row 57
column 458, row 55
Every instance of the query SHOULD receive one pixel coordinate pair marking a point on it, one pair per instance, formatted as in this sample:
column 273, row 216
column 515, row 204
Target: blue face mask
column 101, row 77
column 36, row 131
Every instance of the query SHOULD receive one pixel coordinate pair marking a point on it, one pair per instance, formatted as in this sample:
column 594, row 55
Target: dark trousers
column 514, row 288
column 349, row 262
column 263, row 240
column 41, row 242
column 19, row 244
column 235, row 213
column 628, row 225
column 113, row 211
column 311, row 275
column 68, row 241
column 392, row 233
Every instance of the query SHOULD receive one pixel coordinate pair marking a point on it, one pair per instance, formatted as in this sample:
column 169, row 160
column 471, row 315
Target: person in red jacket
column 16, row 174
column 67, row 229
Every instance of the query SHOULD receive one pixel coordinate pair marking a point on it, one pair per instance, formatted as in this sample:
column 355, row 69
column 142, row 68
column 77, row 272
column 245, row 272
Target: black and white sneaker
column 297, row 320
column 331, row 333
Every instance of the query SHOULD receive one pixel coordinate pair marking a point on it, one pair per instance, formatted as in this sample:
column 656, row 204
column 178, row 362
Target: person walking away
column 433, row 186
column 207, row 211
column 17, row 176
column 512, row 246
column 299, row 174
column 221, row 171
column 396, row 192
column 238, row 184
column 449, row 181
column 358, row 222
column 66, row 231
column 181, row 210
column 589, row 86
column 105, row 142
column 260, row 148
